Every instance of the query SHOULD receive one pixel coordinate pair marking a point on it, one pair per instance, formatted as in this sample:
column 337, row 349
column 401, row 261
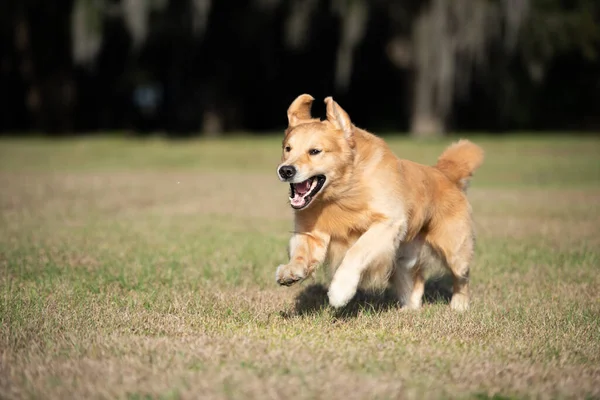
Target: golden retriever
column 375, row 218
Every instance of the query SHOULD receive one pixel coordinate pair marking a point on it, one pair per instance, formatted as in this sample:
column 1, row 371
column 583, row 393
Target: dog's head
column 315, row 154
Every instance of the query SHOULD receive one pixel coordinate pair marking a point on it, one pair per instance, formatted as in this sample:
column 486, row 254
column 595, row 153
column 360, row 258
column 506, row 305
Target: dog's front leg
column 307, row 251
column 378, row 244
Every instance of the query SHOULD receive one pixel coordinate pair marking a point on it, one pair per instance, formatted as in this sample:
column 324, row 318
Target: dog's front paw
column 288, row 274
column 341, row 292
column 459, row 302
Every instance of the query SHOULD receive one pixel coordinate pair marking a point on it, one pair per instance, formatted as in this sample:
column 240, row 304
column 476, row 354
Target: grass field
column 145, row 269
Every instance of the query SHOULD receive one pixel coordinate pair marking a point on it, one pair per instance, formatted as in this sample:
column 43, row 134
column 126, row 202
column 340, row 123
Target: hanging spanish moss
column 451, row 39
column 86, row 30
column 354, row 16
column 297, row 23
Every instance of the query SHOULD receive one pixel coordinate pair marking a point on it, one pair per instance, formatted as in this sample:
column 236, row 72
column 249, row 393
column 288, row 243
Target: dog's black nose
column 287, row 171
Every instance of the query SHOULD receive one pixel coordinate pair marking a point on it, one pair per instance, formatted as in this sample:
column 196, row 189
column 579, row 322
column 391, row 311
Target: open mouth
column 301, row 194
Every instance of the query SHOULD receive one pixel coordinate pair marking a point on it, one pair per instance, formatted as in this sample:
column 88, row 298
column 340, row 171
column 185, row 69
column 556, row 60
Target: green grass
column 141, row 269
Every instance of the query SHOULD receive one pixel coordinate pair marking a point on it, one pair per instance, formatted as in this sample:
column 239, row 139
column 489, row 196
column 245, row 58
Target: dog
column 376, row 219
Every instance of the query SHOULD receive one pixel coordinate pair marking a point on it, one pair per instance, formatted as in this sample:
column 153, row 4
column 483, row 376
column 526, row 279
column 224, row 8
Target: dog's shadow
column 313, row 299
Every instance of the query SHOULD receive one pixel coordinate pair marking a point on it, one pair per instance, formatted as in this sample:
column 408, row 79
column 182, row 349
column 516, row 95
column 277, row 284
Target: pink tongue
column 302, row 187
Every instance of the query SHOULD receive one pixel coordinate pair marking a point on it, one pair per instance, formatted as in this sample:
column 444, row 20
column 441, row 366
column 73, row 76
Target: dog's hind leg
column 455, row 243
column 458, row 263
column 407, row 280
column 409, row 286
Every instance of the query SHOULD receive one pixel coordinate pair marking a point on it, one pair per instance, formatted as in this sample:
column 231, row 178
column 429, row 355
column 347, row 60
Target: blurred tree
column 451, row 39
column 557, row 32
column 200, row 65
column 35, row 75
column 451, row 43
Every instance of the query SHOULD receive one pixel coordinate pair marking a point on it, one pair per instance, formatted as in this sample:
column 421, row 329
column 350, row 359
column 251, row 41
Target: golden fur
column 378, row 219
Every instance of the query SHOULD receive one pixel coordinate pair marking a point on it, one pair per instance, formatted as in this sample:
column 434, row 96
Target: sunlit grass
column 145, row 268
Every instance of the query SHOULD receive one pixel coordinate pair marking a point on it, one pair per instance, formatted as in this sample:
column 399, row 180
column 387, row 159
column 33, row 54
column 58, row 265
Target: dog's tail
column 459, row 161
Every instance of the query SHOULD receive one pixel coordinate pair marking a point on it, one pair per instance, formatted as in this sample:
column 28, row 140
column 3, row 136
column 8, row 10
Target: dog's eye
column 314, row 152
column 288, row 148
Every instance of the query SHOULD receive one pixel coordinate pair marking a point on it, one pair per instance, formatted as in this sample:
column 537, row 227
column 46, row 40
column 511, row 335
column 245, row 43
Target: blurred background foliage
column 189, row 67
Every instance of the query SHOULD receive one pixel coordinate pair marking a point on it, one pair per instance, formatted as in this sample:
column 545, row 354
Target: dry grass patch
column 118, row 282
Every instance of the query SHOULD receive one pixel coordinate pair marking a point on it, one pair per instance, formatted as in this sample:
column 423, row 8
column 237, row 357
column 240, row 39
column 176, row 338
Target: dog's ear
column 339, row 118
column 299, row 110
